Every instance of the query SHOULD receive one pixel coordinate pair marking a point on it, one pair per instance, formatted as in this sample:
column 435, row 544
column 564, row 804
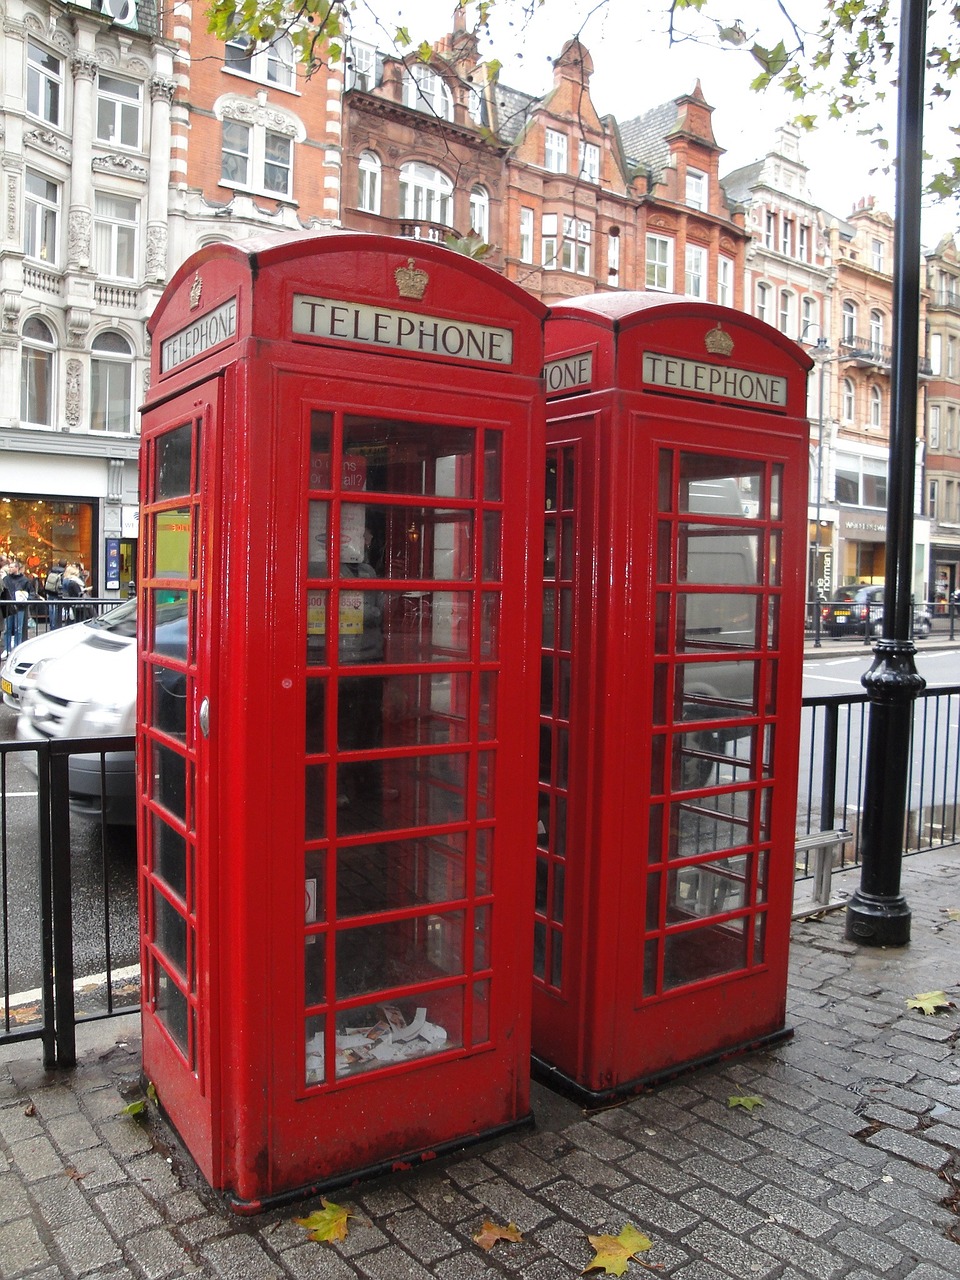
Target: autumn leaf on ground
column 613, row 1253
column 490, row 1233
column 952, row 912
column 134, row 1108
column 328, row 1223
column 930, row 1002
column 748, row 1103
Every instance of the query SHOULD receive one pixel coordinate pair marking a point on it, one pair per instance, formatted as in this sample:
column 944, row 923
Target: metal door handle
column 204, row 717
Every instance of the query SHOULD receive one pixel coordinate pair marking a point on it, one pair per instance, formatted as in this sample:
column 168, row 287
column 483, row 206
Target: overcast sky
column 636, row 68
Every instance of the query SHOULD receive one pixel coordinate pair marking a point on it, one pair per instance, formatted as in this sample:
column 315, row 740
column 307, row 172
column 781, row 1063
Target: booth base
column 397, row 1164
column 555, row 1079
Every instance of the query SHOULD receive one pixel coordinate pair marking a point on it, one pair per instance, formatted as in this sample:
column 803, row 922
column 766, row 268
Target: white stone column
column 161, row 96
column 80, row 221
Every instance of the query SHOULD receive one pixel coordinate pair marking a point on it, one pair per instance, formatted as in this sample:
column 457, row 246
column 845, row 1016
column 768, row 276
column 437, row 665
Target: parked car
column 17, row 671
column 858, row 610
column 91, row 691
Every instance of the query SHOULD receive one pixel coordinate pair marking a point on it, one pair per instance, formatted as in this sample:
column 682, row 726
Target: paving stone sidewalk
column 849, row 1169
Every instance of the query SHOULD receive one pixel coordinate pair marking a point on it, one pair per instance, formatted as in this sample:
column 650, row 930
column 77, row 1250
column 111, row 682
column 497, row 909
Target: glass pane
column 316, row 708
column 709, row 621
column 318, row 523
column 169, row 701
column 481, row 937
column 653, row 920
column 709, row 690
column 398, row 953
column 315, row 802
column 169, row 780
column 315, row 907
column 556, row 958
column 407, row 542
column 378, row 1035
column 427, row 626
column 548, row 638
column 665, row 481
column 316, row 627
column 397, row 874
column 566, row 562
column 171, row 624
column 170, row 1006
column 492, row 571
column 170, row 932
column 724, row 557
column 485, row 784
column 710, row 823
column 709, row 889
column 568, row 479
column 492, row 466
column 696, row 954
column 360, row 625
column 413, row 791
column 360, row 713
column 173, row 476
column 650, row 954
column 173, row 543
column 412, row 457
column 170, row 857
column 484, row 865
column 489, row 626
column 564, row 667
column 550, row 550
column 487, row 727
column 315, row 969
column 314, row 1049
column 320, row 428
column 539, row 950
column 719, row 486
column 425, row 709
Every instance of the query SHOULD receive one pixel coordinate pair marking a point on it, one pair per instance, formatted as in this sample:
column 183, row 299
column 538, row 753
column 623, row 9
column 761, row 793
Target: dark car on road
column 858, row 610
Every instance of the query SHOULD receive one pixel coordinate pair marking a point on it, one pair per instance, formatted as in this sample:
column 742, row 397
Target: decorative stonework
column 119, row 164
column 13, row 204
column 84, row 66
column 47, row 141
column 74, row 400
column 162, row 89
column 78, row 322
column 79, row 227
column 157, row 251
column 256, row 112
column 11, row 311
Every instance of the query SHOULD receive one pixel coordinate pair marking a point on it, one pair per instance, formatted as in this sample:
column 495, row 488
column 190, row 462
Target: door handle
column 204, row 717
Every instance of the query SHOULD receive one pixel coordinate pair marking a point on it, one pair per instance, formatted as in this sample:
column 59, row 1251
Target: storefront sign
column 869, row 528
column 572, row 373
column 333, row 320
column 677, row 374
column 206, row 332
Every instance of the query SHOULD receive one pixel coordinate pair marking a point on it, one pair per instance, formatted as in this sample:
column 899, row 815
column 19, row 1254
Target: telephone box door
column 177, row 502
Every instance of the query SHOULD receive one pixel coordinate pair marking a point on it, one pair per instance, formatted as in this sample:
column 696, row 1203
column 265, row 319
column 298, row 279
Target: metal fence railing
column 833, row 754
column 68, row 908
column 68, row 913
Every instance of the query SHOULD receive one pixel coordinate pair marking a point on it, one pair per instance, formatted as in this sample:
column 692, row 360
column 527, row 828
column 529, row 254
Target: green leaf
column 134, row 1108
column 930, row 1002
column 326, row 1224
column 613, row 1253
column 747, row 1103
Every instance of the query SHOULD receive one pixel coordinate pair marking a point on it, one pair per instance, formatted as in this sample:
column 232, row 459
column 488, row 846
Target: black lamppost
column 877, row 913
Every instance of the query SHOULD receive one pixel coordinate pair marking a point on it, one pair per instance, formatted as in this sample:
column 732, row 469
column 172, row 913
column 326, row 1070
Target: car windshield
column 122, row 621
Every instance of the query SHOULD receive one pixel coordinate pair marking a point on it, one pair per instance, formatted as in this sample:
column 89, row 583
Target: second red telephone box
column 677, row 463
column 337, row 710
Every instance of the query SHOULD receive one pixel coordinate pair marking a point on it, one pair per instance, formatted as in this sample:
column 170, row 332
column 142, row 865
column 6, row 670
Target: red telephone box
column 677, row 464
column 337, row 706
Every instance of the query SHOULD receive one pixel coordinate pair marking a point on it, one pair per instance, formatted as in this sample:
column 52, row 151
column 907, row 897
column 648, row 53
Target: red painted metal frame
column 228, row 953
column 665, row 847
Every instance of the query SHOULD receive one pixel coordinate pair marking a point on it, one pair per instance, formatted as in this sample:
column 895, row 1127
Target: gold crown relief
column 411, row 280
column 718, row 342
column 195, row 291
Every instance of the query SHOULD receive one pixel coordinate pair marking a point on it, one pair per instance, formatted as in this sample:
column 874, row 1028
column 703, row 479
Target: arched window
column 480, row 213
column 424, row 90
column 876, row 407
column 425, row 194
column 846, row 410
column 368, row 182
column 280, row 70
column 876, row 329
column 36, row 373
column 111, row 383
column 849, row 321
column 763, row 302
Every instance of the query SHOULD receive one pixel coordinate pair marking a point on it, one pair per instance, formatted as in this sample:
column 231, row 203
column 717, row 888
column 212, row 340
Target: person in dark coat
column 16, row 590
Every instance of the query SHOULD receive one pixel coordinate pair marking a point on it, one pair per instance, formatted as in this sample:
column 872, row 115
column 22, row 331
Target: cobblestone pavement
column 849, row 1169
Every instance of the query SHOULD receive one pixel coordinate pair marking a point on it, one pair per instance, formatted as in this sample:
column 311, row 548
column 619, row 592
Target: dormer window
column 697, row 190
column 424, row 90
column 554, row 151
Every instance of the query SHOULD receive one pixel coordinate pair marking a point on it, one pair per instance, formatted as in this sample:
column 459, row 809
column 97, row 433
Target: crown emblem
column 718, row 342
column 411, row 280
column 195, row 291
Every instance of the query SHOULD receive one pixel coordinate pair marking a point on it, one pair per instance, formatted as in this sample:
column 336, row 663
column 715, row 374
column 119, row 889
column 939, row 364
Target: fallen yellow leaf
column 930, row 1002
column 748, row 1103
column 613, row 1253
column 490, row 1233
column 328, row 1223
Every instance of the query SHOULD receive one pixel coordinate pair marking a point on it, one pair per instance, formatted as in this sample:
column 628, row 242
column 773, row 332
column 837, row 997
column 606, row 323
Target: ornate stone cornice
column 119, row 164
column 257, row 112
column 78, row 322
column 48, row 141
